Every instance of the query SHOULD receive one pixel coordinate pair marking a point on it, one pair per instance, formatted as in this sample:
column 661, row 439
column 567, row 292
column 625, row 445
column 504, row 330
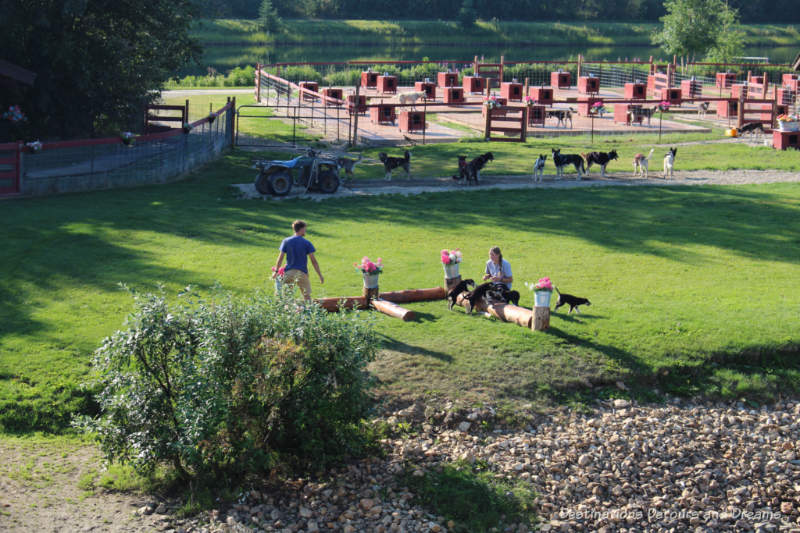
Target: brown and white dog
column 640, row 163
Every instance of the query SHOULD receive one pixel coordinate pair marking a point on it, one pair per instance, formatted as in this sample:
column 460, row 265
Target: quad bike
column 311, row 172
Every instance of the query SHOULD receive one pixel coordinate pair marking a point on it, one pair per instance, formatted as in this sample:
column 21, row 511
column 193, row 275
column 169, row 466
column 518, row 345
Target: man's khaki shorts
column 299, row 278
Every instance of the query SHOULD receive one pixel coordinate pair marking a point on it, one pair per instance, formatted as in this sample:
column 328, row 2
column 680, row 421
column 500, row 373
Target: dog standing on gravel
column 669, row 162
column 390, row 163
column 601, row 158
column 560, row 161
column 474, row 167
column 538, row 168
column 640, row 163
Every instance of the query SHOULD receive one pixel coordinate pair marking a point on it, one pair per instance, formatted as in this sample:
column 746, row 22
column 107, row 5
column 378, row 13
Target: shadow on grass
column 389, row 343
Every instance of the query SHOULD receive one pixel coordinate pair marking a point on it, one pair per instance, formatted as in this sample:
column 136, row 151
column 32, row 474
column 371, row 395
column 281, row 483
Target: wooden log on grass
column 414, row 295
column 506, row 312
column 333, row 305
column 541, row 318
column 388, row 308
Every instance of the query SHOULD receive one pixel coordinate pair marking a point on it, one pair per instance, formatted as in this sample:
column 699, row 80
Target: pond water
column 225, row 58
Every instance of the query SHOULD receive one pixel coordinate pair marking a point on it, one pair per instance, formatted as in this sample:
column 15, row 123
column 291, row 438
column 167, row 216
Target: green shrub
column 220, row 389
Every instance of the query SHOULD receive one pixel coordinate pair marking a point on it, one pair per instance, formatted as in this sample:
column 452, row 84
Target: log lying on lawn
column 415, row 295
column 505, row 312
column 388, row 308
column 359, row 302
column 351, row 302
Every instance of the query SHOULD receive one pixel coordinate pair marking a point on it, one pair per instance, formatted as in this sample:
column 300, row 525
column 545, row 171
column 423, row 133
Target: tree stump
column 541, row 318
column 392, row 309
column 370, row 294
column 449, row 283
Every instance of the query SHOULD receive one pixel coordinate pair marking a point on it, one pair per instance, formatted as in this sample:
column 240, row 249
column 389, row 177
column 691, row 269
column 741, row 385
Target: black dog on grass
column 491, row 293
column 600, row 158
column 474, row 167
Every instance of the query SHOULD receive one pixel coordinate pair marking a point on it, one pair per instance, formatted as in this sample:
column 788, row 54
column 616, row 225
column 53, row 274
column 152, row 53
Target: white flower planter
column 451, row 270
column 542, row 298
column 789, row 126
column 371, row 280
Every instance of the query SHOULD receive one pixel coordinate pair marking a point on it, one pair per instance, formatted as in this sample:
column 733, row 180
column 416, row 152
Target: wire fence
column 72, row 166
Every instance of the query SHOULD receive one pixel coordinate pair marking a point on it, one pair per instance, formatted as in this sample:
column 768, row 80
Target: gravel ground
column 675, row 467
column 422, row 185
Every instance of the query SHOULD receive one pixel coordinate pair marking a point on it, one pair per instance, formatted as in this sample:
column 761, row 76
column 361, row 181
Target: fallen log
column 389, row 308
column 351, row 302
column 414, row 295
column 505, row 312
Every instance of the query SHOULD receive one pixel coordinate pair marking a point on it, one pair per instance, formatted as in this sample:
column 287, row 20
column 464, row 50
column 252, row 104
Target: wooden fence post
column 740, row 111
column 356, row 106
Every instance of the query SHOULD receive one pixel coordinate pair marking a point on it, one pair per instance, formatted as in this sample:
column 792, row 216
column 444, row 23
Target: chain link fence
column 73, row 166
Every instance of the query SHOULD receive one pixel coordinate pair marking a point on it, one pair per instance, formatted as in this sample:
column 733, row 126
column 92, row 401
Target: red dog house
column 728, row 109
column 309, row 86
column 536, row 115
column 362, row 103
column 692, row 88
column 739, row 89
column 622, row 113
column 725, row 80
column 786, row 79
column 782, row 140
column 382, row 114
column 454, row 95
column 412, row 121
column 428, row 87
column 447, row 79
column 785, row 96
column 561, row 80
column 588, row 85
column 474, row 84
column 542, row 95
column 330, row 92
column 671, row 95
column 758, row 80
column 511, row 90
column 369, row 79
column 635, row 91
column 387, row 84
column 792, row 84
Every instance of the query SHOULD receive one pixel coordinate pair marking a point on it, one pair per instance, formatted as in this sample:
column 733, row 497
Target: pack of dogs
column 491, row 293
column 471, row 171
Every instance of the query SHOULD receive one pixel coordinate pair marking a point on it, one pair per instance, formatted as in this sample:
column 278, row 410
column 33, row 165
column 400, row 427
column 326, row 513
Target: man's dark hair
column 297, row 225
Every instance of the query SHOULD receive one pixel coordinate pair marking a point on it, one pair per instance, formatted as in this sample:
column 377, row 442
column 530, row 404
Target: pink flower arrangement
column 544, row 284
column 491, row 102
column 529, row 100
column 368, row 267
column 450, row 257
column 663, row 106
column 280, row 271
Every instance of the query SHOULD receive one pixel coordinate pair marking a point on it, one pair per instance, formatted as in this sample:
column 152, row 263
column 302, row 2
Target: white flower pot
column 789, row 126
column 451, row 270
column 542, row 298
column 371, row 280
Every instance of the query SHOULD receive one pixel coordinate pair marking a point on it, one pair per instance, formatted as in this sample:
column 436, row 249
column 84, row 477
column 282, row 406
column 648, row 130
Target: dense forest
column 750, row 11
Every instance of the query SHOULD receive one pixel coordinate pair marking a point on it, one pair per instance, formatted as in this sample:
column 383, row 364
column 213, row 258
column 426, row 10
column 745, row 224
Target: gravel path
column 622, row 468
column 421, row 185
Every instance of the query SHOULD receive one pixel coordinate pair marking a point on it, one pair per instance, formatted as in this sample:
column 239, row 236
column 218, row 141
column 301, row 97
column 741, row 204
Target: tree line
column 750, row 11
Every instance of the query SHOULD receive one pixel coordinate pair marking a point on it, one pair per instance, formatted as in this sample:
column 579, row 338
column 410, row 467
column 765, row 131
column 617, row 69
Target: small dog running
column 560, row 161
column 640, row 163
column 390, row 163
column 669, row 162
column 572, row 301
column 538, row 168
column 601, row 158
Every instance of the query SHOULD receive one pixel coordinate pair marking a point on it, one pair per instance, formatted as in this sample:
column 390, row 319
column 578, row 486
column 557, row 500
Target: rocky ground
column 623, row 467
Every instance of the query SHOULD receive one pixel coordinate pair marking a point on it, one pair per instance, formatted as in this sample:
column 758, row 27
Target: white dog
column 538, row 168
column 669, row 162
column 410, row 98
column 640, row 163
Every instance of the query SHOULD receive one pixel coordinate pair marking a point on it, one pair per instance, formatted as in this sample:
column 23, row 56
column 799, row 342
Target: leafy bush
column 219, row 389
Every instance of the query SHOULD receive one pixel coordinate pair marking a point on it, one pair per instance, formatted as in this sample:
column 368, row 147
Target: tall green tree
column 467, row 15
column 97, row 63
column 691, row 28
column 268, row 17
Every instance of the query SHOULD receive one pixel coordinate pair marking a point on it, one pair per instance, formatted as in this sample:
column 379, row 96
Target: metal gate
column 9, row 168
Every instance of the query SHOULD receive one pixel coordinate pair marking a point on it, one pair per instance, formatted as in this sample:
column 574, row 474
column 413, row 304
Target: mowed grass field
column 694, row 289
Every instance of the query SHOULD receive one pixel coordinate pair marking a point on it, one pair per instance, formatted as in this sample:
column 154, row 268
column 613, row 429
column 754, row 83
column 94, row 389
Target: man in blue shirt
column 297, row 250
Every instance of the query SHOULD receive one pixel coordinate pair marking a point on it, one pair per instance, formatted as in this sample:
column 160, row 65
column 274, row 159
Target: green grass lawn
column 693, row 289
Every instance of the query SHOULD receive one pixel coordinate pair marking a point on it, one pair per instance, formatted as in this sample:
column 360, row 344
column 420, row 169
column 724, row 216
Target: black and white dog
column 562, row 115
column 600, row 158
column 702, row 109
column 572, row 301
column 474, row 167
column 560, row 161
column 669, row 162
column 538, row 167
column 390, row 163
